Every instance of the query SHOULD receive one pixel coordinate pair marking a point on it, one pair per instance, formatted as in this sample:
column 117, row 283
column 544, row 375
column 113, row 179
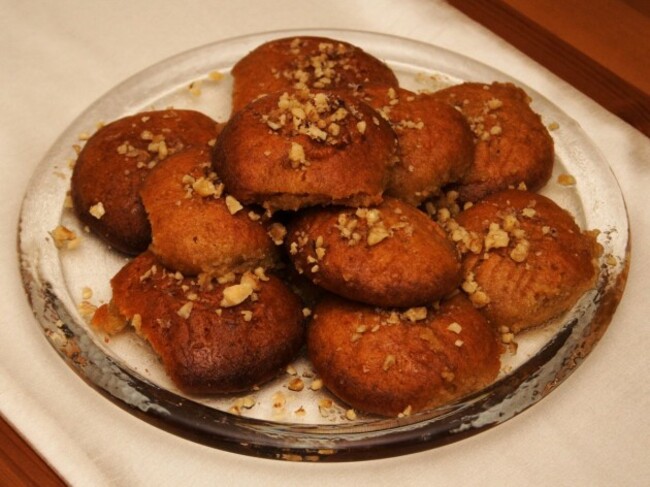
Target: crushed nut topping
column 296, row 384
column 566, row 180
column 496, row 238
column 185, row 310
column 297, row 156
column 389, row 361
column 64, row 238
column 455, row 327
column 215, row 76
column 233, row 205
column 97, row 210
column 277, row 232
column 415, row 314
column 476, row 295
column 235, row 294
column 322, row 118
column 350, row 414
column 240, row 403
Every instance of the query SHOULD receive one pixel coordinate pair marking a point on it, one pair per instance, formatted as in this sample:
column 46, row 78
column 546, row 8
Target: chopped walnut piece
column 236, row 294
column 195, row 88
column 86, row 293
column 204, row 187
column 297, row 156
column 277, row 232
column 476, row 295
column 455, row 327
column 407, row 412
column 350, row 414
column 86, row 309
column 566, row 180
column 496, row 237
column 376, row 234
column 415, row 314
column 520, row 252
column 97, row 210
column 185, row 310
column 389, row 361
column 296, row 384
column 528, row 212
column 316, row 385
column 215, row 76
column 233, row 205
column 65, row 238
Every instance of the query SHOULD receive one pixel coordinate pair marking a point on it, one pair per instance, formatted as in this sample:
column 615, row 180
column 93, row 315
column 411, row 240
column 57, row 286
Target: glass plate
column 275, row 421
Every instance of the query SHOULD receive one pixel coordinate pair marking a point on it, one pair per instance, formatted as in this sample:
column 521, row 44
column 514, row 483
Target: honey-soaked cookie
column 115, row 161
column 389, row 362
column 294, row 149
column 198, row 228
column 512, row 144
column 306, row 62
column 211, row 337
column 435, row 141
column 529, row 261
column 389, row 255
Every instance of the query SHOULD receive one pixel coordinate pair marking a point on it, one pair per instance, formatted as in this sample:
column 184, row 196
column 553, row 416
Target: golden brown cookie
column 391, row 362
column 435, row 141
column 389, row 255
column 196, row 227
column 212, row 338
column 512, row 144
column 306, row 62
column 289, row 150
column 530, row 261
column 116, row 160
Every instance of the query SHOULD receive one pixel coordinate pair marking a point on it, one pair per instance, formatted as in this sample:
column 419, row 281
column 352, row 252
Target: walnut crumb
column 236, row 294
column 389, row 361
column 195, row 88
column 97, row 210
column 215, row 76
column 277, row 232
column 64, row 238
column 233, row 205
column 296, row 384
column 415, row 314
column 86, row 293
column 566, row 180
column 185, row 310
column 455, row 327
column 406, row 413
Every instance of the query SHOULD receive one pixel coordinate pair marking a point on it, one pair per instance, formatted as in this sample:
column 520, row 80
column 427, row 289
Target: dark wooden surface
column 20, row 465
column 599, row 46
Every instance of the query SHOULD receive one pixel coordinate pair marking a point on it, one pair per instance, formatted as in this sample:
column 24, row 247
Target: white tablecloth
column 58, row 57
